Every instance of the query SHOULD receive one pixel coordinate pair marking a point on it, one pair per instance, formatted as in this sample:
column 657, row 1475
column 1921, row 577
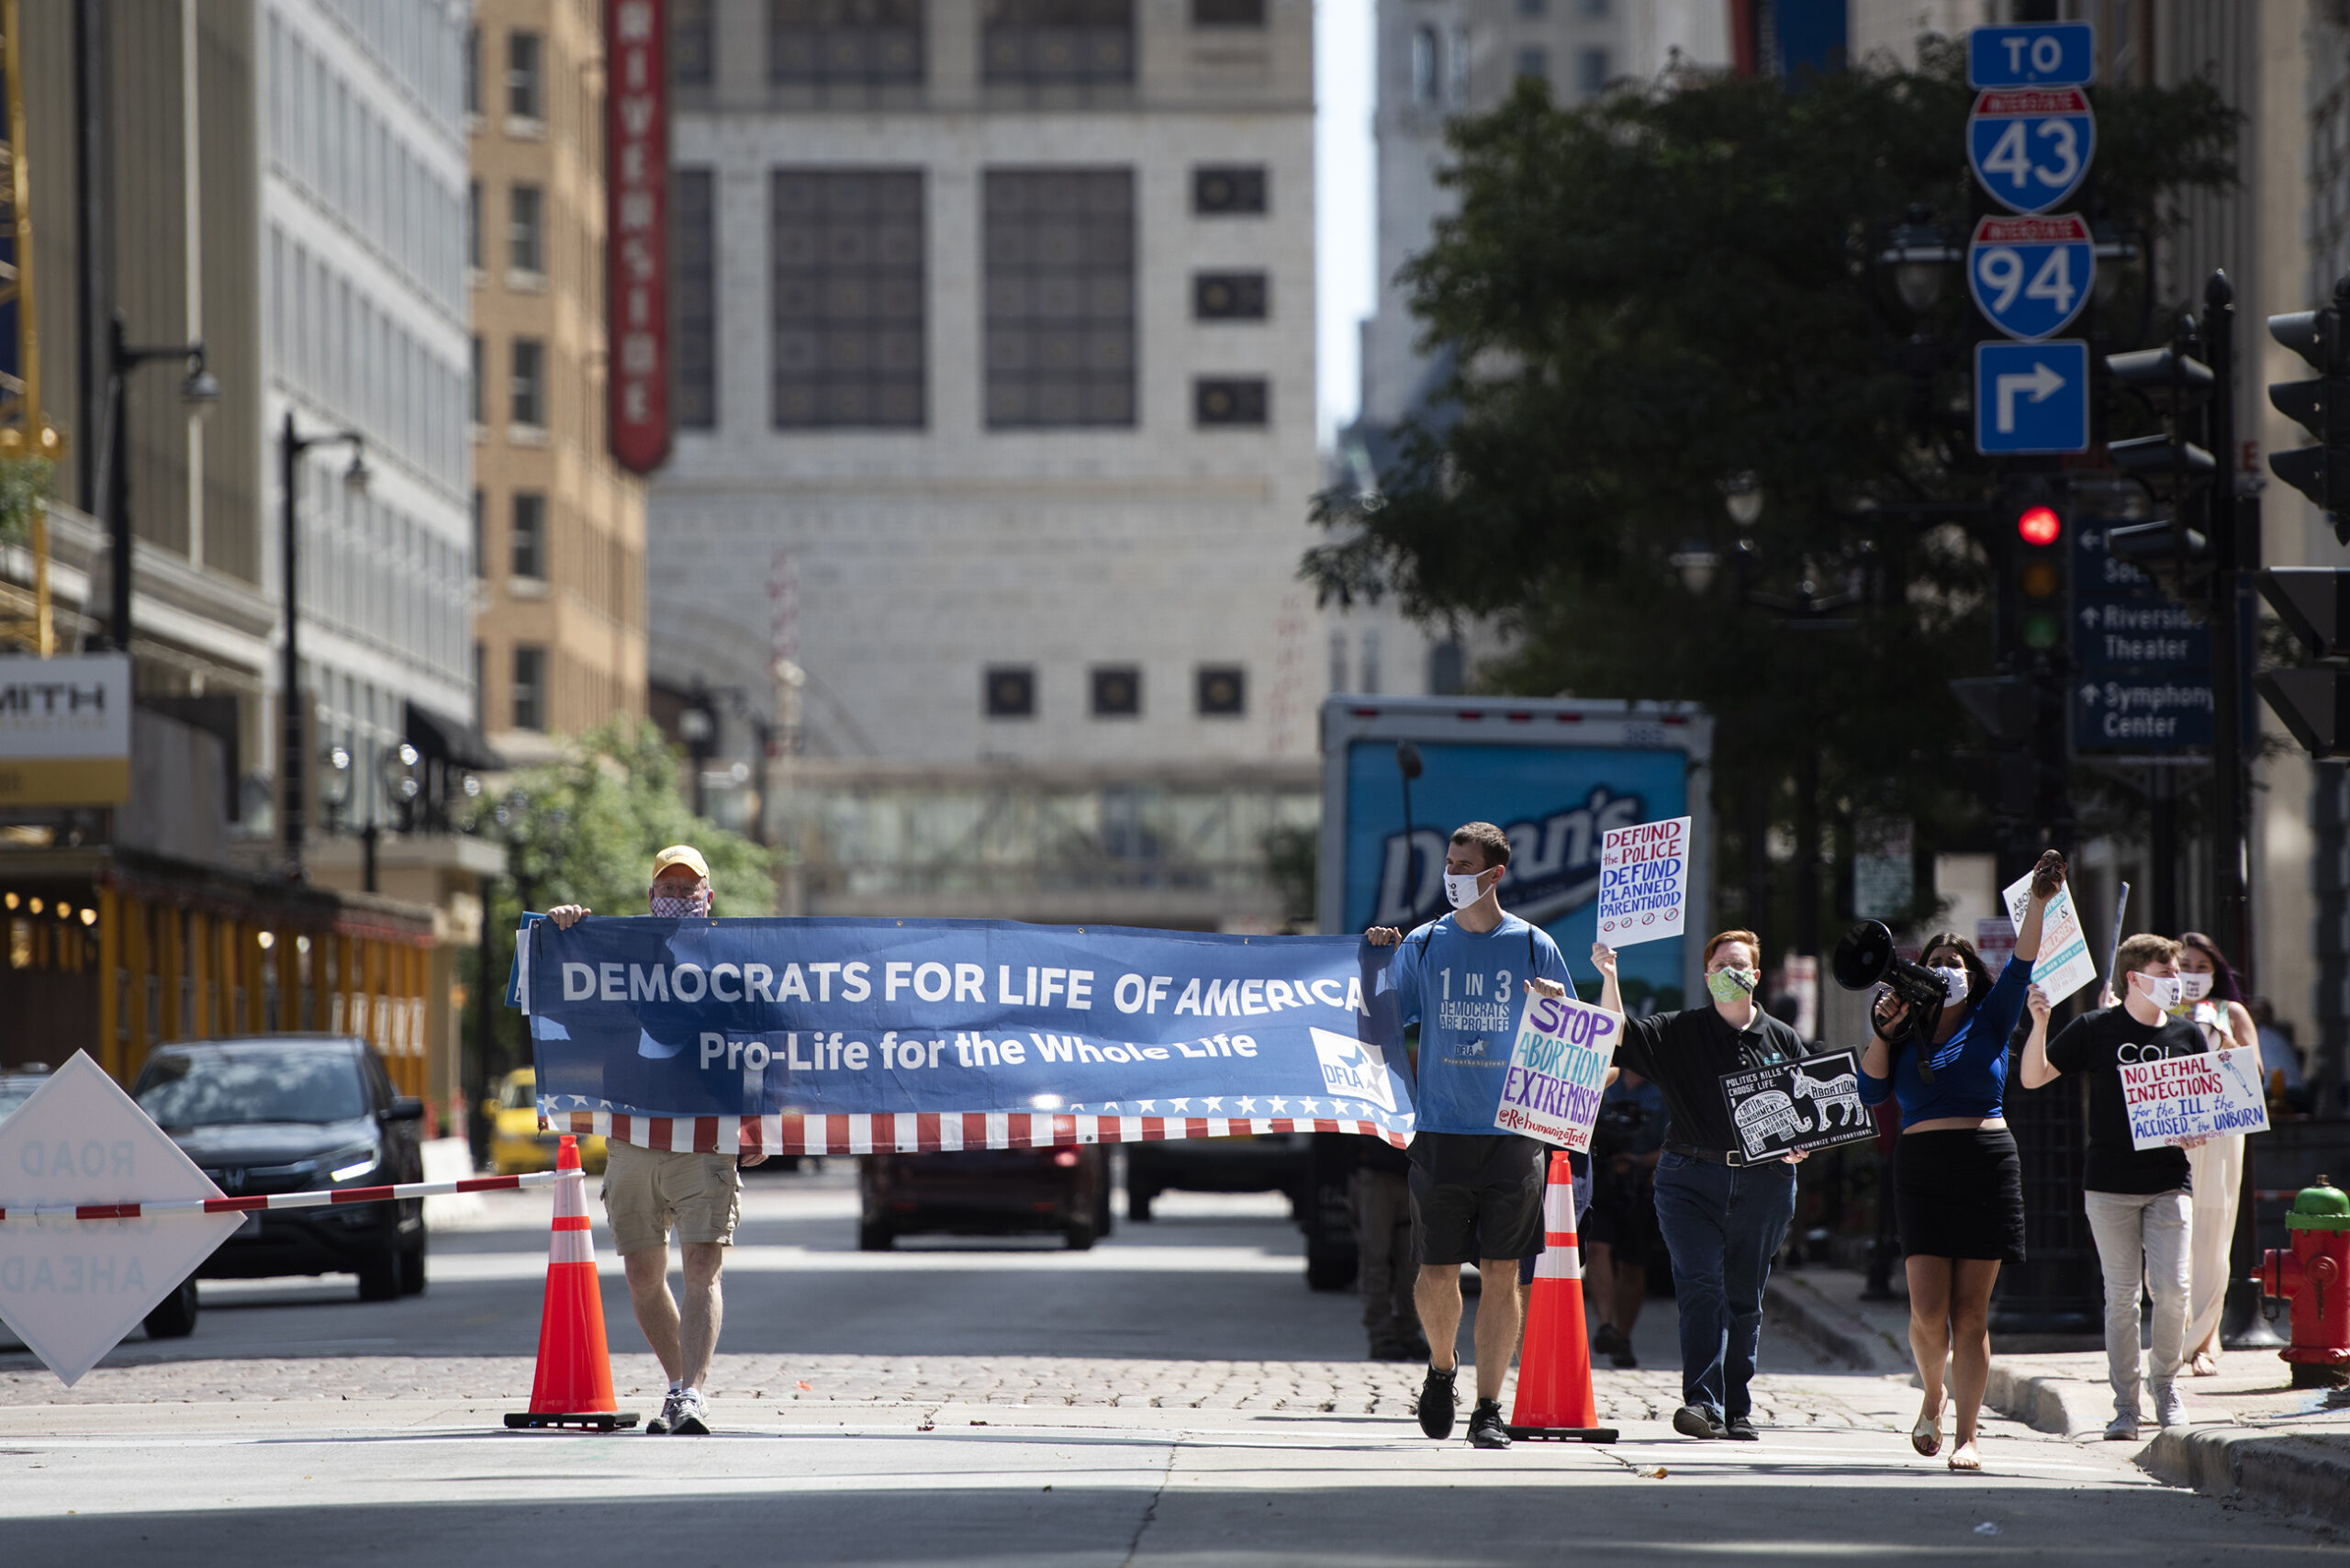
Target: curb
column 2063, row 1406
column 1811, row 1317
column 2292, row 1475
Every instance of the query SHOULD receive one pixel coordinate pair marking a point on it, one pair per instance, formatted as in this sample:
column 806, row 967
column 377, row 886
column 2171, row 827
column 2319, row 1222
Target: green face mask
column 1729, row 985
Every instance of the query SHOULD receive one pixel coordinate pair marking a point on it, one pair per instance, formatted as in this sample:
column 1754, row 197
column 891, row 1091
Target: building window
column 525, row 90
column 1009, row 692
column 1117, row 691
column 471, row 66
column 478, row 379
column 1229, row 400
column 1457, row 69
column 529, row 535
column 1591, row 72
column 1447, row 669
column 873, row 42
column 1534, row 62
column 1427, row 65
column 1222, row 691
column 1599, row 7
column 1228, row 297
column 472, row 225
column 525, row 252
column 1061, row 298
column 1535, row 7
column 530, row 689
column 481, row 534
column 1227, row 13
column 1038, row 43
column 1218, row 190
column 847, row 249
column 693, row 274
column 691, row 55
column 529, row 406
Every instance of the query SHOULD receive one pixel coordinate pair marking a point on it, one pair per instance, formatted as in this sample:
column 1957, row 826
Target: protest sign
column 836, row 1036
column 1557, row 1069
column 2063, row 965
column 2185, row 1099
column 1643, row 882
column 1792, row 1107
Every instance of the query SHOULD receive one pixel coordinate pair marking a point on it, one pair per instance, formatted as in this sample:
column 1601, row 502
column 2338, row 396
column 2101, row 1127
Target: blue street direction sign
column 2031, row 147
column 2139, row 714
column 2142, row 686
column 2030, row 276
column 2061, row 54
column 2156, row 638
column 2032, row 398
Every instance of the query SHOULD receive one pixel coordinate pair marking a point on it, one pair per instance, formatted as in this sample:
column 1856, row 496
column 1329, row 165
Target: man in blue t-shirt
column 1476, row 1191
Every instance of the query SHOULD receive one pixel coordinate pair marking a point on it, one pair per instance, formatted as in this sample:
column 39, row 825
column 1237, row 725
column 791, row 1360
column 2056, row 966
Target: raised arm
column 1602, row 958
column 2035, row 1068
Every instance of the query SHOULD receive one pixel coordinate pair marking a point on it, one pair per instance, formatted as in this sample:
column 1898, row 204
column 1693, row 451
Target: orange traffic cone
column 574, row 1387
column 1554, row 1396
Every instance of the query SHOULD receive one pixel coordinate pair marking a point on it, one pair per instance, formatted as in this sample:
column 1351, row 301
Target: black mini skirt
column 1958, row 1193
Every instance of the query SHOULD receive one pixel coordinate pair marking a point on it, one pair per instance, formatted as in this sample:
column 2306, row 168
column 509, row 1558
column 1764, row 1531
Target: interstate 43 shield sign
column 2030, row 276
column 2030, row 147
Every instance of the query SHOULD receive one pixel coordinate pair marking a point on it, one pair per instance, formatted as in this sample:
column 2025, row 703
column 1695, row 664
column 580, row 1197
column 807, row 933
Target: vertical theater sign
column 636, row 186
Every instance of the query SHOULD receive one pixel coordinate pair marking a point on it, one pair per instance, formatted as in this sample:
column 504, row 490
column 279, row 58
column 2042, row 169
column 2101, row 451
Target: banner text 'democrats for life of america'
column 686, row 1018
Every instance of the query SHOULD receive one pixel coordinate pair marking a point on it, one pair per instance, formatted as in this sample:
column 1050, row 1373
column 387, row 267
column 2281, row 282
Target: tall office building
column 558, row 527
column 995, row 333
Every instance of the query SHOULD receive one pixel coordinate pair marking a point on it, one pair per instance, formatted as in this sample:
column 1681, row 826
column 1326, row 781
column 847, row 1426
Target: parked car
column 516, row 1142
column 985, row 1191
column 1248, row 1162
column 293, row 1113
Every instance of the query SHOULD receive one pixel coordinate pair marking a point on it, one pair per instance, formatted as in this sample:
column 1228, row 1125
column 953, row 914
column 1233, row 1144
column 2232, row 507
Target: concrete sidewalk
column 2250, row 1436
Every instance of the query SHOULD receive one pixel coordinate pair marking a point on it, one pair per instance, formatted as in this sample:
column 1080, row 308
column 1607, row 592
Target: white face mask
column 1954, row 985
column 1460, row 889
column 2195, row 988
column 2163, row 991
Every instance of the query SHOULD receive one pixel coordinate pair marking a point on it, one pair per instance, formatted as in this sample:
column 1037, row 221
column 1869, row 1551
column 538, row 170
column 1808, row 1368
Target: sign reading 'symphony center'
column 65, row 730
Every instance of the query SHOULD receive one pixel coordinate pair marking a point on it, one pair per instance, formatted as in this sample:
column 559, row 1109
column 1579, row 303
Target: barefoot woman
column 1958, row 1185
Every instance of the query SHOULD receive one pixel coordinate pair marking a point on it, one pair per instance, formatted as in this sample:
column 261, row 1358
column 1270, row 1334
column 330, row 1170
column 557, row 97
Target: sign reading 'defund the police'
column 2050, row 55
column 2030, row 147
column 71, row 1288
column 2032, row 398
column 665, row 1019
column 1643, row 882
column 2030, row 276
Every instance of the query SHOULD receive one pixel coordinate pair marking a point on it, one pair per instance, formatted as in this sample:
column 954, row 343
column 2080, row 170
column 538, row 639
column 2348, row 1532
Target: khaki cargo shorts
column 648, row 1191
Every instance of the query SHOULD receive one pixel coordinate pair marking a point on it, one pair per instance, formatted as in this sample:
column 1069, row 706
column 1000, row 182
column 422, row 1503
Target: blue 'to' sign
column 2062, row 54
column 2030, row 276
column 2030, row 147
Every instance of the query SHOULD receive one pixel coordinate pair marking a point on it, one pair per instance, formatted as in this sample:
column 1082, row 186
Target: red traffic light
column 2039, row 526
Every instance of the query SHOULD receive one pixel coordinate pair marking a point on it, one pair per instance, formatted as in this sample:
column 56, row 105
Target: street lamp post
column 199, row 390
column 292, row 444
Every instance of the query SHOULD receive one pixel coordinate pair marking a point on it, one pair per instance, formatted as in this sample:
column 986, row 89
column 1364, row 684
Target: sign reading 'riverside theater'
column 947, row 1032
column 65, row 730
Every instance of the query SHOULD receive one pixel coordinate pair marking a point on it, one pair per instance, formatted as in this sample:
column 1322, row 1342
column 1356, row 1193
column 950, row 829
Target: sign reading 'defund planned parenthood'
column 65, row 730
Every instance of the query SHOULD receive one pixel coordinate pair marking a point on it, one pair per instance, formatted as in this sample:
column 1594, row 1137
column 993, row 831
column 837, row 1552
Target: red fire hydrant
column 2314, row 1275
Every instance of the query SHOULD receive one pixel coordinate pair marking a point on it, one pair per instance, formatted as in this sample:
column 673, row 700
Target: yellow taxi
column 516, row 1142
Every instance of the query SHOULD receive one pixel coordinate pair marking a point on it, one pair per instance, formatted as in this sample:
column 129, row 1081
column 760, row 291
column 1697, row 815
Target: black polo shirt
column 1685, row 1053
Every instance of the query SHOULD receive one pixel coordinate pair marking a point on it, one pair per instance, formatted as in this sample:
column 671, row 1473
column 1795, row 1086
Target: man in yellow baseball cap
column 650, row 1192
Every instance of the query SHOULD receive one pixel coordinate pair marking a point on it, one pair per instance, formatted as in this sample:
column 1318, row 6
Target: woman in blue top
column 1957, row 1184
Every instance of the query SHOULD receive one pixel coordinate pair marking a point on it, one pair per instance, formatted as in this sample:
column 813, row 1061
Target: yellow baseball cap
column 684, row 855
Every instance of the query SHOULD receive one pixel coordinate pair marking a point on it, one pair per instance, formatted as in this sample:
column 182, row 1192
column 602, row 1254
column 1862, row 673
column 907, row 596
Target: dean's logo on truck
column 1553, row 862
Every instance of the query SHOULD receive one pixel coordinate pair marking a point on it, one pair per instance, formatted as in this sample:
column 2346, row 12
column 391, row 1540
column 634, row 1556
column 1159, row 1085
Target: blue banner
column 732, row 1024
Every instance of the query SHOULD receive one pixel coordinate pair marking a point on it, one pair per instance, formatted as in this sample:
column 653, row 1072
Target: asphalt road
column 983, row 1405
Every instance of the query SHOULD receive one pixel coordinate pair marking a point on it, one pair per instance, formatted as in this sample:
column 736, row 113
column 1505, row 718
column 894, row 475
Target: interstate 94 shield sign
column 2030, row 276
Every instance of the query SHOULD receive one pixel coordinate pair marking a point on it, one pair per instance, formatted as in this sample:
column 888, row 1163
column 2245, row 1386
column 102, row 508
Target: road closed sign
column 71, row 1288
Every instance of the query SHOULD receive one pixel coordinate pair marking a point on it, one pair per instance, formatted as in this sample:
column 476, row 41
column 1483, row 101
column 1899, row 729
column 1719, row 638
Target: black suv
column 297, row 1113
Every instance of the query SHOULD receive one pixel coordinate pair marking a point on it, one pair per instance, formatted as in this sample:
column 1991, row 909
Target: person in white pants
column 2138, row 1200
column 2214, row 1006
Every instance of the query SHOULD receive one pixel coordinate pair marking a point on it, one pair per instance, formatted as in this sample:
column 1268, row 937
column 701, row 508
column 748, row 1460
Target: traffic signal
column 2313, row 703
column 2174, row 468
column 2320, row 407
column 2036, row 575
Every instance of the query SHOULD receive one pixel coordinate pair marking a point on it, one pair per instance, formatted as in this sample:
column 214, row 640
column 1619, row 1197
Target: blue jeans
column 1722, row 1227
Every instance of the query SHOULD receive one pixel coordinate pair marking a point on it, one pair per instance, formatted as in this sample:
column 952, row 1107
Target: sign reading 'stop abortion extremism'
column 767, row 1021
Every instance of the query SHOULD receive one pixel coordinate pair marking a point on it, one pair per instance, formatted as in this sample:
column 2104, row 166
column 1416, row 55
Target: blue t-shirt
column 1466, row 992
column 1970, row 1067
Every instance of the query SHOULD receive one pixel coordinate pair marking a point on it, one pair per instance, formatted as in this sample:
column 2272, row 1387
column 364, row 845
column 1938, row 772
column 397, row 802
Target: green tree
column 1648, row 294
column 583, row 829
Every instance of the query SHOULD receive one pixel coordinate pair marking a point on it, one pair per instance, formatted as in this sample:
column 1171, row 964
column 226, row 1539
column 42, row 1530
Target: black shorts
column 1477, row 1195
column 1623, row 1216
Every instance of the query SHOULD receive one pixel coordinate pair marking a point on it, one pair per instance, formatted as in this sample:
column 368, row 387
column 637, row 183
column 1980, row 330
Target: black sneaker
column 1607, row 1339
column 1742, row 1429
column 1486, row 1429
column 1696, row 1421
column 1624, row 1358
column 1438, row 1398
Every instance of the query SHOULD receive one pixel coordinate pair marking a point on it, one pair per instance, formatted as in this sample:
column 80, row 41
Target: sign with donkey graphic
column 1792, row 1107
